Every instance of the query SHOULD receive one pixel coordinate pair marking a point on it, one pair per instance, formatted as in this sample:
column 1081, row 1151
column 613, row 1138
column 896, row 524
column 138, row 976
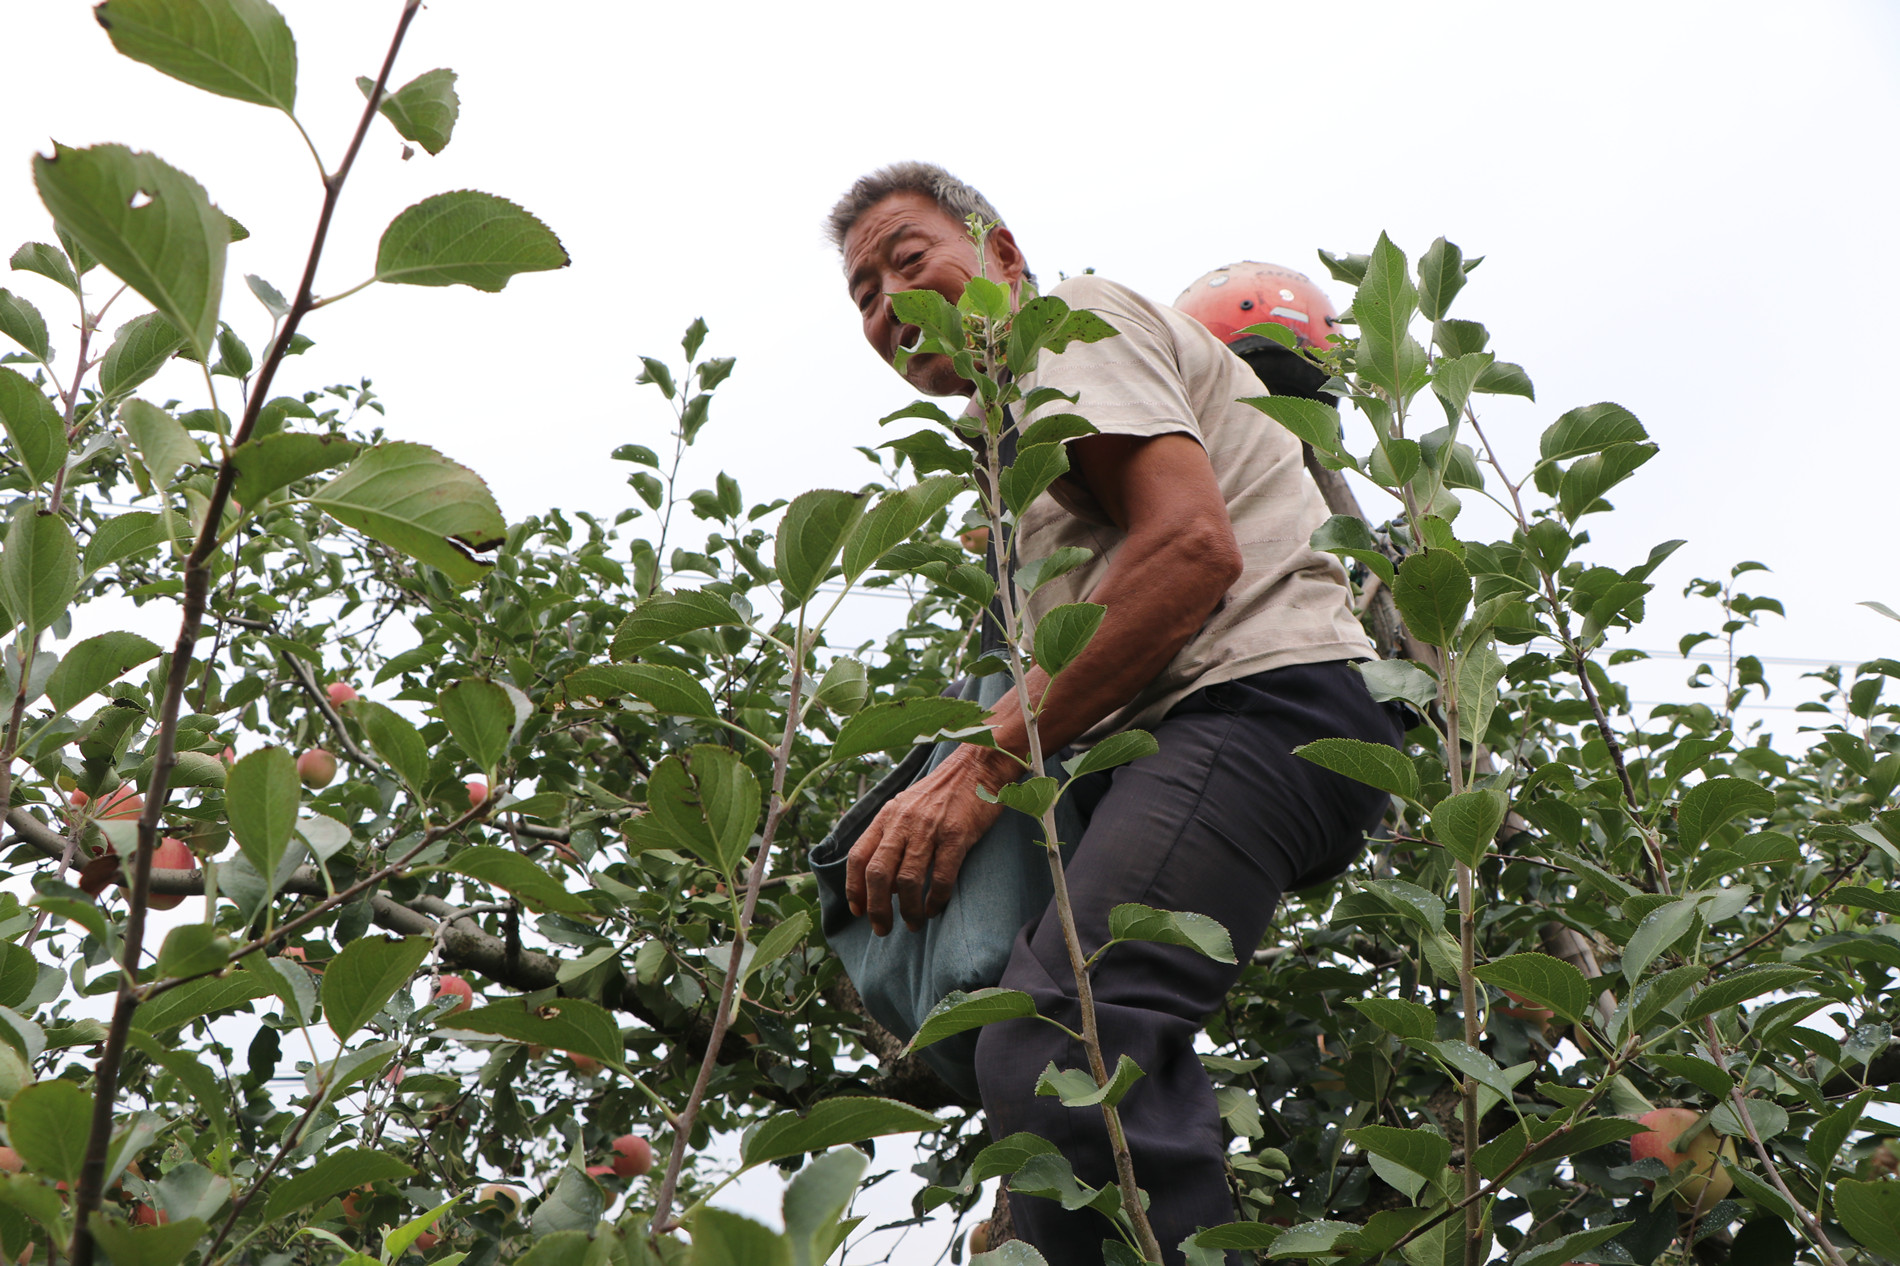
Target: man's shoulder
column 1094, row 291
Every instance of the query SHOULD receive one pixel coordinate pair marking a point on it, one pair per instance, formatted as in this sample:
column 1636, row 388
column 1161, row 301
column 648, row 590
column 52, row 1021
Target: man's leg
column 1220, row 822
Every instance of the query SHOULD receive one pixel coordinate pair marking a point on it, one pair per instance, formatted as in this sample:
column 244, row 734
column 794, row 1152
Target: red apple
column 230, row 756
column 477, row 792
column 633, row 1156
column 146, row 1215
column 170, row 855
column 10, row 1161
column 340, row 692
column 600, row 1171
column 583, row 1063
column 394, row 1076
column 317, row 768
column 123, row 805
column 427, row 1240
column 456, row 987
column 1709, row 1182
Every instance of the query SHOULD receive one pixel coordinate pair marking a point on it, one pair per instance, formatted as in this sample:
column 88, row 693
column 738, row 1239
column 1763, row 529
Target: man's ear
column 1005, row 258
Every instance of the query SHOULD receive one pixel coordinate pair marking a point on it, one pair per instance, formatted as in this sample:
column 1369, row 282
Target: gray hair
column 957, row 200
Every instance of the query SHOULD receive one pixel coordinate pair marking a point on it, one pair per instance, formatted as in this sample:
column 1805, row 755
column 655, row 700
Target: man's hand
column 923, row 834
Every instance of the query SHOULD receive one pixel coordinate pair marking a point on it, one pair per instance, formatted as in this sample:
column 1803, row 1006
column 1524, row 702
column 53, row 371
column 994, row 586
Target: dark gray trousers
column 1221, row 821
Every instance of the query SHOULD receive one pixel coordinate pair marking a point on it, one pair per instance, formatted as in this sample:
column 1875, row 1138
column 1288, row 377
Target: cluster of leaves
column 1577, row 915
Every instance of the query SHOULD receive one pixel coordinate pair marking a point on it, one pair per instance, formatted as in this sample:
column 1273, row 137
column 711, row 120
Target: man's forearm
column 1158, row 592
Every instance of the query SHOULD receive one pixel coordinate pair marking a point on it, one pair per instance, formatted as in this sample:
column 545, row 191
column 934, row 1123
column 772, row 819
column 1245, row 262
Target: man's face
column 908, row 242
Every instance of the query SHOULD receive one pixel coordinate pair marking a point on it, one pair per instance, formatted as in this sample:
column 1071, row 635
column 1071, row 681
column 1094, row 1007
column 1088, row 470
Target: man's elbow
column 1211, row 557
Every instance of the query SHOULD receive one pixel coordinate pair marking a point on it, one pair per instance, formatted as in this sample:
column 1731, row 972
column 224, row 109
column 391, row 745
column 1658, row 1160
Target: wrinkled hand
column 922, row 834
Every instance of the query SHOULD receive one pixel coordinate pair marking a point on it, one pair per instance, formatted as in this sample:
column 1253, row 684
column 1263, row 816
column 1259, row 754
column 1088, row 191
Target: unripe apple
column 340, row 692
column 456, row 987
column 170, row 855
column 317, row 768
column 507, row 1198
column 1709, row 1182
column 477, row 792
column 979, row 1238
column 633, row 1156
column 976, row 540
column 584, row 1063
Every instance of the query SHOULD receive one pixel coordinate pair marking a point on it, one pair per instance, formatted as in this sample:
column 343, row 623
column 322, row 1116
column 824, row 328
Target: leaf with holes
column 149, row 223
column 465, row 239
column 266, row 463
column 413, row 499
column 95, row 663
column 708, row 802
column 565, row 1024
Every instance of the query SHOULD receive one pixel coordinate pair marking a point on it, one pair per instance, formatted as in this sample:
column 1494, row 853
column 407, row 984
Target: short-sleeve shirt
column 1164, row 374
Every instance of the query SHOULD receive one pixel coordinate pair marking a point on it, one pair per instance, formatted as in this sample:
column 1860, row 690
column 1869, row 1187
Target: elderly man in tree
column 1226, row 635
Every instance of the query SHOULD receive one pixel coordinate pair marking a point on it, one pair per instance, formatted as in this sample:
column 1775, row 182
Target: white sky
column 1685, row 209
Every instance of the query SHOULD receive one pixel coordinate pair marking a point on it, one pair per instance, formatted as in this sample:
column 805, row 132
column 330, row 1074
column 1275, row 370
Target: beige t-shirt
column 1165, row 373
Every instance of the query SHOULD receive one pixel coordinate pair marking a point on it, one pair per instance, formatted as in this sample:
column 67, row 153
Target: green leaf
column 48, row 1123
column 708, row 802
column 930, row 451
column 1030, row 475
column 1441, row 275
column 333, row 1174
column 1433, row 591
column 423, row 110
column 1570, row 1247
column 1590, row 477
column 139, row 349
column 398, row 1241
column 413, row 499
column 33, row 424
column 94, row 664
column 884, row 727
column 202, row 997
column 1389, row 679
column 1711, row 805
column 1375, row 764
column 1315, row 1239
column 810, row 537
column 1032, row 796
column 465, row 239
column 1395, row 1015
column 777, row 943
column 165, row 1245
column 1077, row 1089
column 1452, row 381
column 894, row 519
column 193, row 949
column 261, row 796
column 1467, row 823
column 1038, row 572
column 1421, row 1151
column 1660, row 928
column 481, row 719
column 1313, row 422
column 665, row 616
column 395, row 740
column 1133, row 922
column 266, row 463
column 565, row 1024
column 829, row 1123
column 1005, row 1156
column 1590, row 429
column 47, row 261
column 665, row 689
column 234, row 48
column 1829, row 1134
column 364, row 976
column 960, row 1012
column 505, row 869
column 1769, row 1120
column 1348, row 536
column 1503, row 378
column 816, row 1199
column 1539, row 978
column 1385, row 299
column 1063, row 633
column 721, row 1238
column 149, row 223
column 160, row 440
column 1738, row 986
column 1116, row 749
column 22, row 322
column 39, row 569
